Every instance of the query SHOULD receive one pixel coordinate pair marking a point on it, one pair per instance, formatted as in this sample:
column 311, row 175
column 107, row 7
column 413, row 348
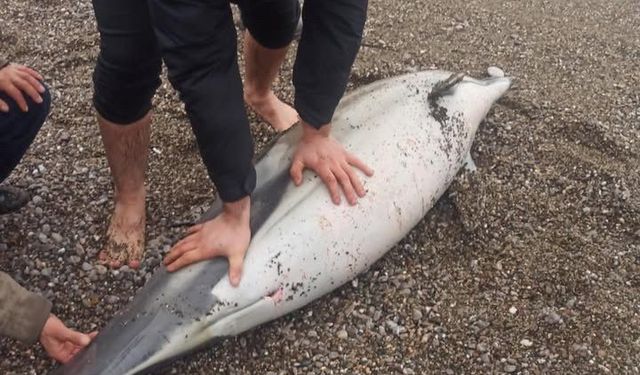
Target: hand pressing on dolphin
column 321, row 153
column 228, row 235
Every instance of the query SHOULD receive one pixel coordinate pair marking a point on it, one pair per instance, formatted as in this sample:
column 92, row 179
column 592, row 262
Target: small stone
column 494, row 71
column 74, row 259
column 333, row 355
column 86, row 267
column 485, row 358
column 4, row 247
column 112, row 299
column 394, row 327
column 37, row 200
column 65, row 137
column 553, row 318
column 342, row 334
column 46, row 229
column 43, row 238
column 510, row 368
column 46, row 272
column 513, row 310
column 417, row 315
column 102, row 270
column 56, row 237
column 482, row 347
column 408, row 371
column 526, row 343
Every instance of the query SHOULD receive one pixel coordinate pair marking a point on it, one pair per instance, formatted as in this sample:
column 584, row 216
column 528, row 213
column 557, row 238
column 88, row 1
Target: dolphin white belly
column 303, row 246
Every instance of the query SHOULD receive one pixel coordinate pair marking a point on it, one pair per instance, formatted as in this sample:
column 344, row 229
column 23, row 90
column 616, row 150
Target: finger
column 332, row 184
column 31, row 72
column 353, row 160
column 16, row 95
column 296, row 171
column 93, row 335
column 185, row 260
column 178, row 251
column 33, row 82
column 355, row 181
column 194, row 229
column 345, row 182
column 77, row 338
column 26, row 87
column 4, row 107
column 235, row 269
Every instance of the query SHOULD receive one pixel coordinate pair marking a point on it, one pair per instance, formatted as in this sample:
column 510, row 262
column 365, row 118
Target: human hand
column 62, row 343
column 228, row 235
column 17, row 79
column 321, row 153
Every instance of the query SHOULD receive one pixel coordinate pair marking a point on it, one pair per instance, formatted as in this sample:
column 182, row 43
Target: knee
column 272, row 24
column 123, row 88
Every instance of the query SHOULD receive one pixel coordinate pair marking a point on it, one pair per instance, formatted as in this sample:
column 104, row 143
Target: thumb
column 235, row 269
column 77, row 338
column 296, row 172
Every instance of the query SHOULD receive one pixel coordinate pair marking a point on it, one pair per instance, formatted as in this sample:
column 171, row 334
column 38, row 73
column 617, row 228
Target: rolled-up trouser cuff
column 231, row 188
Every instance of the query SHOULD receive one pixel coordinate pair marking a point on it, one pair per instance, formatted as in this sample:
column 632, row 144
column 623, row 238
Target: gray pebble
column 102, row 270
column 43, row 238
column 86, row 266
column 74, row 259
column 56, row 237
column 342, row 334
column 417, row 315
column 510, row 368
column 37, row 200
column 46, row 229
column 553, row 318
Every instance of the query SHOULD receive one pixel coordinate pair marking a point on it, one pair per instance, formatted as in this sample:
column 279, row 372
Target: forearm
column 330, row 42
column 22, row 313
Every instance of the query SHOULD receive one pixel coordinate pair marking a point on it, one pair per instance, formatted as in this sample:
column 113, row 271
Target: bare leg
column 127, row 153
column 261, row 67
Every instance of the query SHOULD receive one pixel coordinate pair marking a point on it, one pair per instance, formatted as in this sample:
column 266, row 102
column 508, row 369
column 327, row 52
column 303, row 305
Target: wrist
column 238, row 210
column 309, row 130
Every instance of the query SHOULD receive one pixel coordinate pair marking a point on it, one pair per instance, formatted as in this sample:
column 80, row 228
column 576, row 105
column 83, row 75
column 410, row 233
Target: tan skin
column 228, row 234
column 17, row 81
column 62, row 343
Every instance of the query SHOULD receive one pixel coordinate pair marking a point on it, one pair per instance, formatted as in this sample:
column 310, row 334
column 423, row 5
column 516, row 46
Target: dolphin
column 415, row 130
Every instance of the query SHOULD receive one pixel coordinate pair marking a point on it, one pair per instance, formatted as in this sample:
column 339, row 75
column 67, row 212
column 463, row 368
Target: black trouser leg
column 18, row 130
column 197, row 39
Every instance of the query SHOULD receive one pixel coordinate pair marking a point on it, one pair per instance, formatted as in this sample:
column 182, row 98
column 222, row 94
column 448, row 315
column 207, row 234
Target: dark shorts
column 129, row 65
column 198, row 43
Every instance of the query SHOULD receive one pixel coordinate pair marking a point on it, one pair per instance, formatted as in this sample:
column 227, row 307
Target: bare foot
column 278, row 114
column 125, row 236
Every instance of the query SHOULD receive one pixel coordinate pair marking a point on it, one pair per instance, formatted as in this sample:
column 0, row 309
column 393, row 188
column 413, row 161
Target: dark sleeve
column 331, row 37
column 3, row 62
column 22, row 313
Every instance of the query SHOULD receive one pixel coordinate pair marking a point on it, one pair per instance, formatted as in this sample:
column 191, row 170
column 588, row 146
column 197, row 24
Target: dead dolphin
column 415, row 130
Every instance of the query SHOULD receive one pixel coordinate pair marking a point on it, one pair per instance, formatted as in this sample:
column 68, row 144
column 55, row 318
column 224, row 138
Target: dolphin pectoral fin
column 469, row 164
